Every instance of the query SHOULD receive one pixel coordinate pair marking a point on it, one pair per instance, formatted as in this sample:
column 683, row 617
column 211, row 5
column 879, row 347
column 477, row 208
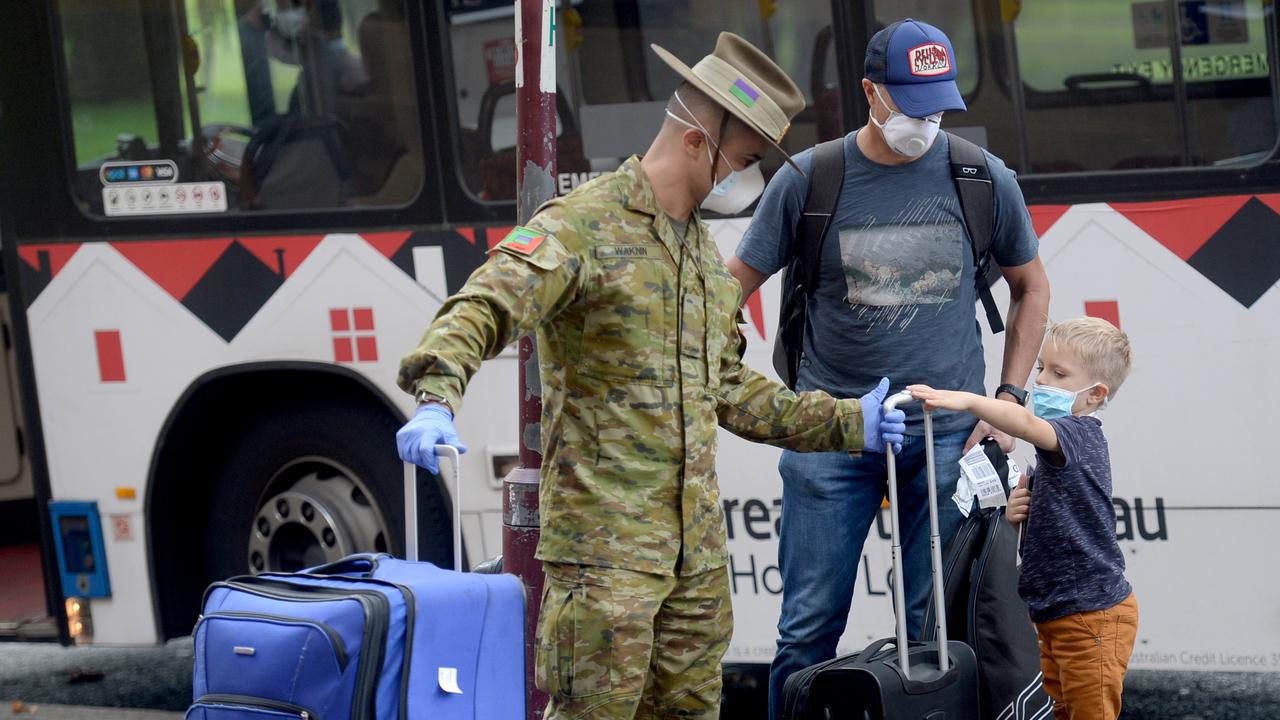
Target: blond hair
column 1102, row 348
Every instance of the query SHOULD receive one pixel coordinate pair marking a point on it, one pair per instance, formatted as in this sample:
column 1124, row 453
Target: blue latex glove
column 880, row 429
column 417, row 440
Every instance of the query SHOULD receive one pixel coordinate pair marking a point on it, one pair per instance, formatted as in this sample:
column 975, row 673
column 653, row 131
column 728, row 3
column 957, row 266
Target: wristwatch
column 425, row 397
column 1018, row 393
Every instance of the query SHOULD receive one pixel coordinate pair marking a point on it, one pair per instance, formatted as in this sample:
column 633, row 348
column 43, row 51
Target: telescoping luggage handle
column 444, row 452
column 935, row 545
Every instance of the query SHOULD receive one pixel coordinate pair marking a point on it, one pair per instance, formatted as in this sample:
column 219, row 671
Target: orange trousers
column 1084, row 658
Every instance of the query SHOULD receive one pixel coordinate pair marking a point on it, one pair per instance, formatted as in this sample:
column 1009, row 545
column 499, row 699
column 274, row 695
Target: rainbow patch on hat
column 522, row 240
column 746, row 94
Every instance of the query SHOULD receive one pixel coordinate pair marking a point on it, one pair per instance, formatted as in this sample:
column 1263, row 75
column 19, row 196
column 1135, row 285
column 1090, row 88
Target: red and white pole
column 535, row 28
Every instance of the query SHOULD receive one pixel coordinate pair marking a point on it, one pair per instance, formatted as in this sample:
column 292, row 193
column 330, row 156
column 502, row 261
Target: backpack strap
column 977, row 204
column 826, row 178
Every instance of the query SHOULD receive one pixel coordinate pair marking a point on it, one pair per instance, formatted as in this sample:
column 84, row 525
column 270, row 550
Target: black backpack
column 980, row 593
column 826, row 177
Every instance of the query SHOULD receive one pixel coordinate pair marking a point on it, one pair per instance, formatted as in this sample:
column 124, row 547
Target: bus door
column 23, row 611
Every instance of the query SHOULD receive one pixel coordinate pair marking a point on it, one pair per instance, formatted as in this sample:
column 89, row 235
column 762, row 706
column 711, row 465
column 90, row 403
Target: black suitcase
column 893, row 679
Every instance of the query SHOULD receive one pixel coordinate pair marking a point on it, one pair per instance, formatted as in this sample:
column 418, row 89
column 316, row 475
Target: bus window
column 1101, row 92
column 953, row 18
column 611, row 89
column 281, row 104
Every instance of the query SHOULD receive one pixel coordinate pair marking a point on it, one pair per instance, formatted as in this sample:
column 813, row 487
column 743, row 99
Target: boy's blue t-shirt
column 895, row 295
column 1071, row 562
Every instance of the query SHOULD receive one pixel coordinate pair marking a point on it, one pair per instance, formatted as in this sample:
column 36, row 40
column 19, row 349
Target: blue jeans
column 829, row 501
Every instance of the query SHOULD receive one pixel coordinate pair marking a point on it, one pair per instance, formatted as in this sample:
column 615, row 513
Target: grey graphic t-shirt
column 895, row 294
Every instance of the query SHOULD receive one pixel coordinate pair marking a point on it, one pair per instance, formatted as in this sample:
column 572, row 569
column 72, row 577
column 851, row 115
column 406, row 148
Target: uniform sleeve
column 756, row 408
column 510, row 295
column 767, row 244
column 1014, row 242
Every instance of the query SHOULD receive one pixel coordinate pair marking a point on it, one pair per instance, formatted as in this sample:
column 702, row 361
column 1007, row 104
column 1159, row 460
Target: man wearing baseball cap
column 640, row 358
column 894, row 295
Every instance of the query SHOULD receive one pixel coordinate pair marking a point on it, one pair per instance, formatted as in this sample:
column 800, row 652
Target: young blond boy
column 1072, row 569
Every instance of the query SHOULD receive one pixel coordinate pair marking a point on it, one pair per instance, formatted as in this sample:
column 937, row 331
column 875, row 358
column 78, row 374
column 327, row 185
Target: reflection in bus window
column 611, row 89
column 291, row 104
column 1102, row 92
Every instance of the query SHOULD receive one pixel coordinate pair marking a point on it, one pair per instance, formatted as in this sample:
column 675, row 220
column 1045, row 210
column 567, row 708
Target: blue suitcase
column 369, row 637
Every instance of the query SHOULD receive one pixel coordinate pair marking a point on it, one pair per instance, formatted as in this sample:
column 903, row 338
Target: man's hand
column 879, row 428
column 432, row 425
column 985, row 430
column 1019, row 506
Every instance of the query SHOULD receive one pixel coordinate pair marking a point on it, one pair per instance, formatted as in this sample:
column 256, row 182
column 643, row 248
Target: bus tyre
column 310, row 485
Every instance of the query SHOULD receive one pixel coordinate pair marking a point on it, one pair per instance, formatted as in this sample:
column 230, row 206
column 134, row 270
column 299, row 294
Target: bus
column 224, row 221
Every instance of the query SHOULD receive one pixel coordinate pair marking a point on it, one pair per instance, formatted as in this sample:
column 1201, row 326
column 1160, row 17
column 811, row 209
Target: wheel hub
column 315, row 512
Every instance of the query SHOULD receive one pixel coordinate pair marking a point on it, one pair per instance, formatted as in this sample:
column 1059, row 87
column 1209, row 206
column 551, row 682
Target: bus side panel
column 114, row 349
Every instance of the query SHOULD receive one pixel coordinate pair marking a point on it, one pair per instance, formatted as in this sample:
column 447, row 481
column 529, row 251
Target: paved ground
column 51, row 678
column 22, row 711
column 149, row 678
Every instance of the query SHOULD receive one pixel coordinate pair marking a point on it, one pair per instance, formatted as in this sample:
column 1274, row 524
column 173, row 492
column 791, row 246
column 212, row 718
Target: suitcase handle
column 874, row 649
column 358, row 565
column 411, row 505
column 935, row 544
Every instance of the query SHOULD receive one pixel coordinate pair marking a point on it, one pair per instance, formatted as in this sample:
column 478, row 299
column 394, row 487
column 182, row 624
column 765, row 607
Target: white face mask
column 739, row 189
column 291, row 22
column 907, row 136
column 736, row 192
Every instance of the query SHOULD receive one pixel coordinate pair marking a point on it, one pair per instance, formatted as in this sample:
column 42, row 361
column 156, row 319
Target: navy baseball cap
column 915, row 63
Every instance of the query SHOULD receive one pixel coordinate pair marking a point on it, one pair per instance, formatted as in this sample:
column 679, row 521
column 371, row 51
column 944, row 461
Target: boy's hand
column 1019, row 503
column 944, row 399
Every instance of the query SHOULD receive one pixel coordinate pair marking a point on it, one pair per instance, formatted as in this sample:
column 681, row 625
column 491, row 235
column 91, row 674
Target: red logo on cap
column 929, row 59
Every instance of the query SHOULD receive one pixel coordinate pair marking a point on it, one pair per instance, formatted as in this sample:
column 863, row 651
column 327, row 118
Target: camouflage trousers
column 617, row 644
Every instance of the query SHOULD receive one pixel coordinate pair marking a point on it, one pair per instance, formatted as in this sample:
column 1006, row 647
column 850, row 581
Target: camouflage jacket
column 641, row 358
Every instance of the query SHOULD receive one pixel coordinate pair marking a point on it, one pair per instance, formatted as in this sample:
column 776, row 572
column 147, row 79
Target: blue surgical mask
column 1050, row 402
column 739, row 188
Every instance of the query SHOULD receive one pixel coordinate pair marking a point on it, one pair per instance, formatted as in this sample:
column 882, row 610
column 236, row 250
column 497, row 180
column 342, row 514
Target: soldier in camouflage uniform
column 641, row 358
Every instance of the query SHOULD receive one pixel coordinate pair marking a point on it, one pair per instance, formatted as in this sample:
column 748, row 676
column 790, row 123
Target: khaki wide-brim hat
column 744, row 81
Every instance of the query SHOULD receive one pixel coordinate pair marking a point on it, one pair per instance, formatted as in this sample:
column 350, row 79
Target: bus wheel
column 309, row 485
column 319, row 513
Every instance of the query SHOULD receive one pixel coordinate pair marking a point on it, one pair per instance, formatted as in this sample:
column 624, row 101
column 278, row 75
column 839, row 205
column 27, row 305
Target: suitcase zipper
column 256, row 702
column 411, row 607
column 339, row 647
column 803, row 684
column 376, row 609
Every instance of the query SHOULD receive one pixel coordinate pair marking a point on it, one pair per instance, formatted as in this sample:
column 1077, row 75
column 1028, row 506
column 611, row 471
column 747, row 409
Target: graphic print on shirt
column 896, row 269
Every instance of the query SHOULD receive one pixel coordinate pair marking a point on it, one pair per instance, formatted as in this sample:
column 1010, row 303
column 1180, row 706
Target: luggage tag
column 976, row 467
column 448, row 678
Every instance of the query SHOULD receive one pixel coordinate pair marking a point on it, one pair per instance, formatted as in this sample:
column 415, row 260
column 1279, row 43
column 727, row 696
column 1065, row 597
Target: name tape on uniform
column 625, row 251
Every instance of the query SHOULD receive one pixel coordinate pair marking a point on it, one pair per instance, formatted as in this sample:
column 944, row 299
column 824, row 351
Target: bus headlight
column 79, row 619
